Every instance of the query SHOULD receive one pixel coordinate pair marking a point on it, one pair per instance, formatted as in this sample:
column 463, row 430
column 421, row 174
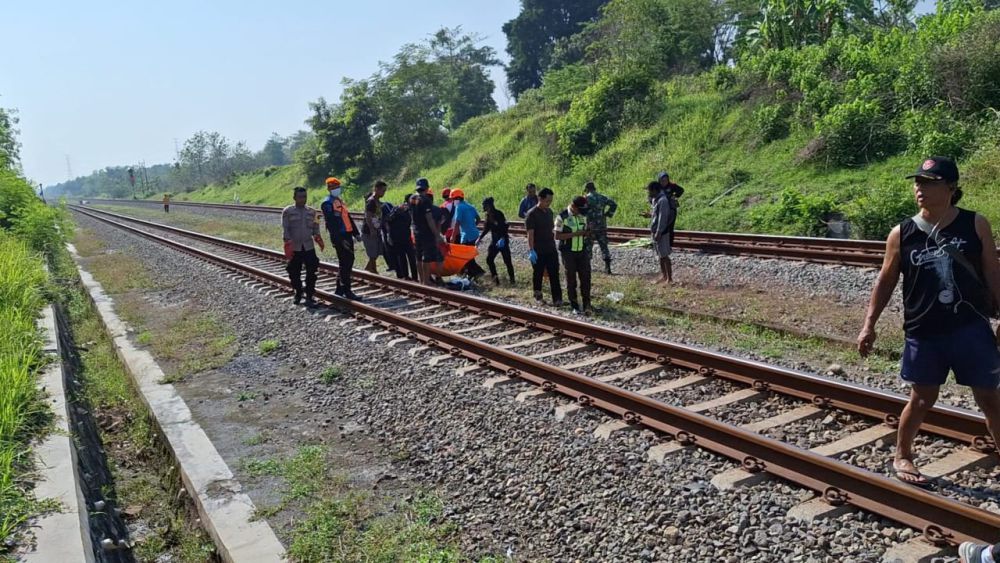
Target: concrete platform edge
column 227, row 514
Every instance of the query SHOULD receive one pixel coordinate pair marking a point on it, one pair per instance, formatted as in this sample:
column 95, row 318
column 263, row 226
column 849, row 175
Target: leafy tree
column 9, row 146
column 273, row 153
column 533, row 34
column 427, row 90
column 466, row 90
column 209, row 157
column 661, row 37
column 781, row 24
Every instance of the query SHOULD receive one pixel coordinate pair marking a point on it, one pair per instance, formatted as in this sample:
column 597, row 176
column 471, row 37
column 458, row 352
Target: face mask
column 336, row 192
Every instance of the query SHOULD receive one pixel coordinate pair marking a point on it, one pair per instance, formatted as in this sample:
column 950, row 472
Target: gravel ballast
column 513, row 480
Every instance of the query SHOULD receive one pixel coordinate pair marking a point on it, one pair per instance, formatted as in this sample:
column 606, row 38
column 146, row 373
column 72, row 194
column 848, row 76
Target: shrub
column 856, row 133
column 794, row 213
column 770, row 122
column 265, row 347
column 935, row 131
column 331, row 374
column 875, row 212
column 21, row 212
column 968, row 69
column 599, row 113
column 560, row 86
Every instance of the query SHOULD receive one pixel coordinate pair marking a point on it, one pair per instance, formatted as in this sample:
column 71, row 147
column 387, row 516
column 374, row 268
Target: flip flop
column 921, row 482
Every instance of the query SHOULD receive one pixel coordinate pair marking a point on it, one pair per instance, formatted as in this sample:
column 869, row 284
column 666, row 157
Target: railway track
column 638, row 376
column 863, row 253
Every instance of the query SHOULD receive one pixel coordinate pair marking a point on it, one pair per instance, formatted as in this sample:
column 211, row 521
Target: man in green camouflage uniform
column 599, row 208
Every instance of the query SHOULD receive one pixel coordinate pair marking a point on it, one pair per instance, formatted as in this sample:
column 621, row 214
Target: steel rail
column 959, row 424
column 861, row 253
column 942, row 520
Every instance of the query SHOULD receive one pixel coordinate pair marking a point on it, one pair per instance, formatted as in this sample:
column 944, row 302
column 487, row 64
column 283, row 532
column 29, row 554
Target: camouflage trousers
column 601, row 238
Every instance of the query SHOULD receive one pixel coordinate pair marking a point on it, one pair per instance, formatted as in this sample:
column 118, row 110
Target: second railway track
column 861, row 253
column 628, row 390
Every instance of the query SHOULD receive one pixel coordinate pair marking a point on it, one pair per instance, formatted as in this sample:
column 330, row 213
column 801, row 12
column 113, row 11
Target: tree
column 273, row 153
column 466, row 88
column 426, row 90
column 781, row 24
column 533, row 34
column 659, row 37
column 9, row 146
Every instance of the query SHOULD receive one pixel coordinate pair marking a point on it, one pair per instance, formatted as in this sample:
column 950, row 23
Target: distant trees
column 9, row 146
column 532, row 37
column 209, row 157
column 427, row 90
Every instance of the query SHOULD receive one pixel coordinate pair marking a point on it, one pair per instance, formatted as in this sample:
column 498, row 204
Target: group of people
column 411, row 237
column 945, row 255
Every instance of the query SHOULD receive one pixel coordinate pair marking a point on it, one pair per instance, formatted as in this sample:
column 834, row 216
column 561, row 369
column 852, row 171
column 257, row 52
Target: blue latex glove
column 532, row 257
column 502, row 243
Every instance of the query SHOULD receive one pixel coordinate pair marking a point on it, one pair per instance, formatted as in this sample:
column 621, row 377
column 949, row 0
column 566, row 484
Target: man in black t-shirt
column 427, row 232
column 540, row 224
column 951, row 284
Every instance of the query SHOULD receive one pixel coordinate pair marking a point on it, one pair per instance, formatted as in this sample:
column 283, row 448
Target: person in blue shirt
column 530, row 200
column 465, row 222
column 466, row 219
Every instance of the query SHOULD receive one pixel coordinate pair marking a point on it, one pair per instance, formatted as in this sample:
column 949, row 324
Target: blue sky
column 116, row 82
column 110, row 83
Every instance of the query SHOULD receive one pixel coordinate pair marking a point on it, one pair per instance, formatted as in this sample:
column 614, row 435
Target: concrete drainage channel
column 88, row 527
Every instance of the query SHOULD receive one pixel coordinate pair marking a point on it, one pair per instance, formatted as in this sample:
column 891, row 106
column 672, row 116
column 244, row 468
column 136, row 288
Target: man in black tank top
column 951, row 281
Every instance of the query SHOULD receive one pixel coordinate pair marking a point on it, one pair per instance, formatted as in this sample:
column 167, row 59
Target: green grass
column 120, row 273
column 331, row 374
column 22, row 412
column 700, row 137
column 341, row 523
column 143, row 483
column 265, row 347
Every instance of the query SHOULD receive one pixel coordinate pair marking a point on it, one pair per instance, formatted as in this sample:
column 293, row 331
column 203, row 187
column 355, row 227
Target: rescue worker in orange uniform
column 343, row 233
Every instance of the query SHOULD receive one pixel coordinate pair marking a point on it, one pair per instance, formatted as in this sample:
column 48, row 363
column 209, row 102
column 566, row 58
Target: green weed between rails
column 22, row 413
column 342, row 524
column 331, row 374
column 265, row 347
column 144, row 484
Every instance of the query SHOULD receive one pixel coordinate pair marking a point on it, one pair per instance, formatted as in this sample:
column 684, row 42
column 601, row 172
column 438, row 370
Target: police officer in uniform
column 600, row 208
column 300, row 230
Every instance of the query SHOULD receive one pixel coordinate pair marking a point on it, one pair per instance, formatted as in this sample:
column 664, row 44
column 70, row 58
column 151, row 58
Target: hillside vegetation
column 776, row 116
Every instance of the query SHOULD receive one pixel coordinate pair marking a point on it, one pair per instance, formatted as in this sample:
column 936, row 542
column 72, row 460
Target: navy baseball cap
column 422, row 184
column 661, row 176
column 937, row 168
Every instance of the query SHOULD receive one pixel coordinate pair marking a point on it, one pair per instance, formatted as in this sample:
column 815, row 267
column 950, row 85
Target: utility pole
column 145, row 179
column 69, row 169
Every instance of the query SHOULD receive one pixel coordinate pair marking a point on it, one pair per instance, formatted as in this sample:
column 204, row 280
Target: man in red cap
column 951, row 285
column 343, row 233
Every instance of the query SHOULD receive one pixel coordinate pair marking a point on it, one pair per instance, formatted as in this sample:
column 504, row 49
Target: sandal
column 910, row 477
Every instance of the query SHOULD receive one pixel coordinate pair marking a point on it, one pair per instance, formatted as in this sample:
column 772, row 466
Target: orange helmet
column 332, row 183
column 457, row 194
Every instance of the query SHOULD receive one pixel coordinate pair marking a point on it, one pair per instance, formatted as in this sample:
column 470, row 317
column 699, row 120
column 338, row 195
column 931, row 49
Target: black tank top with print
column 939, row 293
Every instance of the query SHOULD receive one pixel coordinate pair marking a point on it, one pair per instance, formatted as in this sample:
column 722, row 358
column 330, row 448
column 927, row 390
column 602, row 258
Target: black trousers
column 294, row 269
column 345, row 261
column 547, row 263
column 491, row 259
column 406, row 257
column 577, row 265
